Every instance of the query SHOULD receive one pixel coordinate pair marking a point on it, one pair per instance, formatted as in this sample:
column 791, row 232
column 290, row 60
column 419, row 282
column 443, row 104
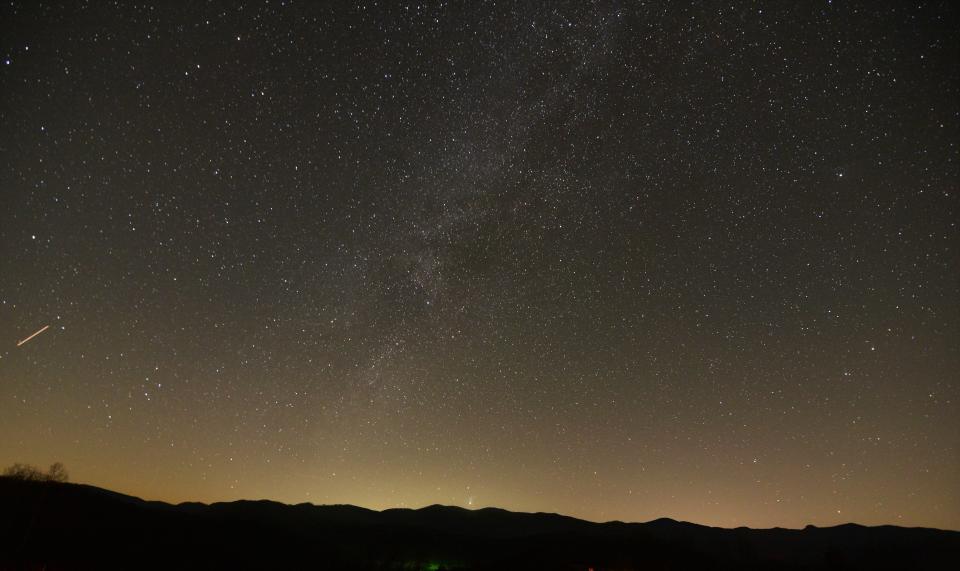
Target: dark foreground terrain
column 45, row 525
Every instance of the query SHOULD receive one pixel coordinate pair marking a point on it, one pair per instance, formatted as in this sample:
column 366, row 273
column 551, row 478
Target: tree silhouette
column 24, row 472
column 57, row 472
column 28, row 473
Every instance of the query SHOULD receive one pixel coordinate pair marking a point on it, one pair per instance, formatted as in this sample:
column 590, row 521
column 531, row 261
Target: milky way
column 613, row 260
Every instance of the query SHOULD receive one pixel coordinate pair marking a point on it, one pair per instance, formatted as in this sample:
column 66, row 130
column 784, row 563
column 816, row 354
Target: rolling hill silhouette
column 45, row 525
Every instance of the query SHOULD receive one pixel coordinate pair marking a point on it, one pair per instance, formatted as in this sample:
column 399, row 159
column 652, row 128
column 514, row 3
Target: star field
column 614, row 260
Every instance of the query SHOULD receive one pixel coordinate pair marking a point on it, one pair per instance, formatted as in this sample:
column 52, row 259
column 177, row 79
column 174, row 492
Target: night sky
column 612, row 260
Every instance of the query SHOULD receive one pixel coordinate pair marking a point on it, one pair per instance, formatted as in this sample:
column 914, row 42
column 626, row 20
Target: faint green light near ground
column 433, row 566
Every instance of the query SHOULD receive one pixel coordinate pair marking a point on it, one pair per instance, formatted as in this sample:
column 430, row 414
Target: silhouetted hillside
column 46, row 525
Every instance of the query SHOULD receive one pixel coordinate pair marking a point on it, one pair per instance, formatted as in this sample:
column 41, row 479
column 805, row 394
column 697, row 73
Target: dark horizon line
column 661, row 520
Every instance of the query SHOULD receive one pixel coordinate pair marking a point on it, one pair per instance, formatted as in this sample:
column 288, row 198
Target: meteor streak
column 44, row 328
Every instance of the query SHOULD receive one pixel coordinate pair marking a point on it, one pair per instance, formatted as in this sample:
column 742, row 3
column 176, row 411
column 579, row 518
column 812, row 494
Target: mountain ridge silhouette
column 79, row 526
